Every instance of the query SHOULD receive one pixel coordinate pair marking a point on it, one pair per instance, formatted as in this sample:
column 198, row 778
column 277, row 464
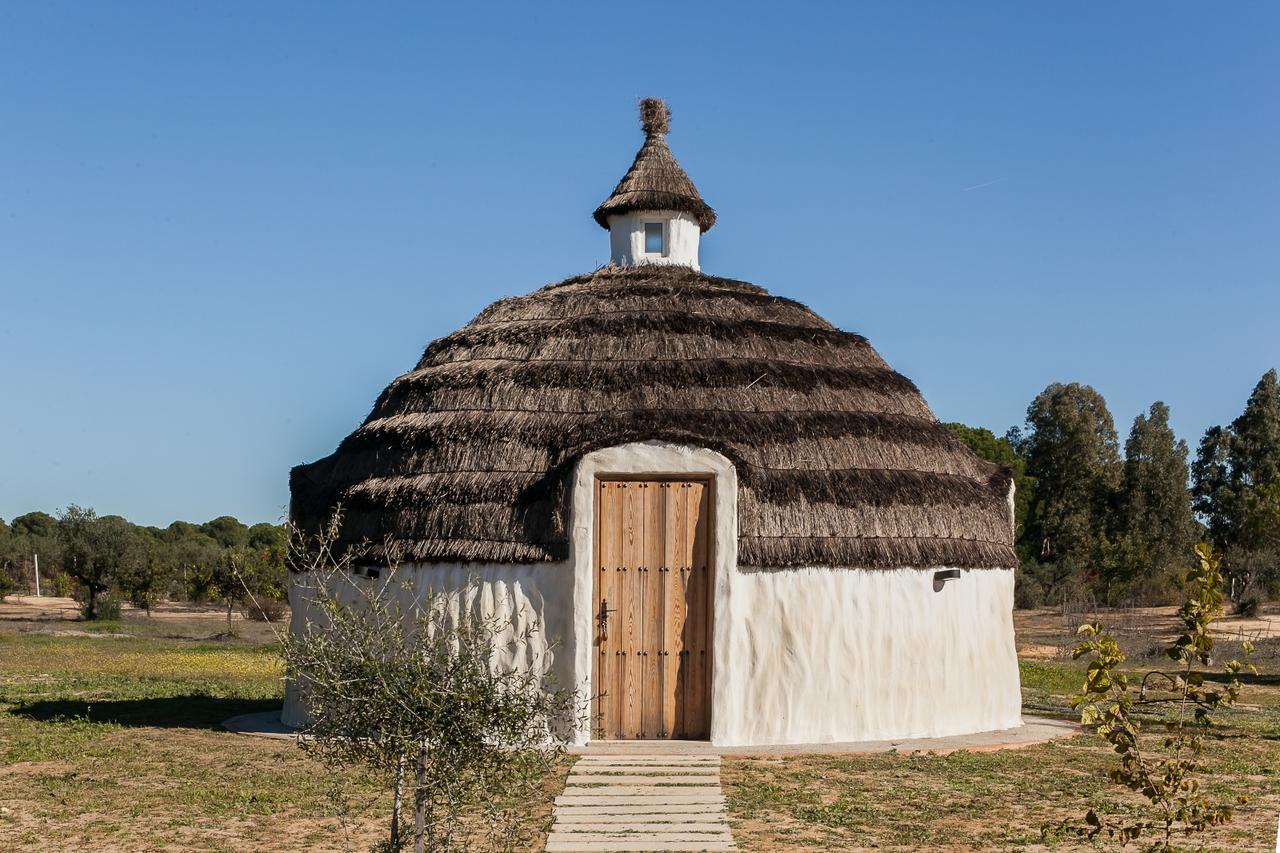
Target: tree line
column 1094, row 525
column 103, row 560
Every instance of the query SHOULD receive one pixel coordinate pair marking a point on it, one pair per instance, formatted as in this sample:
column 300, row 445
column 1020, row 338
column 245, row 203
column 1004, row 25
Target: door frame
column 653, row 459
column 709, row 482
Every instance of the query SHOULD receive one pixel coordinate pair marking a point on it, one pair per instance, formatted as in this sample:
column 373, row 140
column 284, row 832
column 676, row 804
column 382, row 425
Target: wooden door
column 652, row 614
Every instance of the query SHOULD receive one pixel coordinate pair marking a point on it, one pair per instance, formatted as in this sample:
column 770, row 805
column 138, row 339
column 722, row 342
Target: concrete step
column 649, row 747
column 693, row 770
column 641, row 801
column 560, row 846
column 614, row 780
column 657, row 807
column 638, row 786
column 649, row 822
column 719, row 834
column 638, row 799
column 571, row 827
column 677, row 819
column 648, row 760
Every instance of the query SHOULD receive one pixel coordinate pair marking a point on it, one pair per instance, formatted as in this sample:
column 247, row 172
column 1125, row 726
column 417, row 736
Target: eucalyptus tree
column 1235, row 460
column 1154, row 527
column 1235, row 476
column 1072, row 451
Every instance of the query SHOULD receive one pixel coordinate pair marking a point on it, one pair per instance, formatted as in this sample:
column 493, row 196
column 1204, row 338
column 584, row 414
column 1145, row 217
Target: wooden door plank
column 696, row 530
column 631, row 607
column 673, row 612
column 607, row 562
column 600, row 677
column 618, row 606
column 688, row 696
column 651, row 579
column 690, row 611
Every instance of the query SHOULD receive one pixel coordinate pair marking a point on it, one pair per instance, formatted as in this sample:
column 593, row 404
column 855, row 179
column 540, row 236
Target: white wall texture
column 823, row 655
column 536, row 602
column 800, row 655
column 626, row 238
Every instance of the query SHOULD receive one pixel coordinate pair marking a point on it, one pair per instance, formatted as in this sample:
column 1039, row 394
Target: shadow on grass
column 194, row 711
column 1262, row 679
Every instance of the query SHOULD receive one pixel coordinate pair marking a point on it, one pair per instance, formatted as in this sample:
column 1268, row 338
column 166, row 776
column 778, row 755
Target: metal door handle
column 602, row 619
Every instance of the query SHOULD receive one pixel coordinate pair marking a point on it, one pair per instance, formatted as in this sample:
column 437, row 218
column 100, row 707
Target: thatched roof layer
column 655, row 180
column 469, row 456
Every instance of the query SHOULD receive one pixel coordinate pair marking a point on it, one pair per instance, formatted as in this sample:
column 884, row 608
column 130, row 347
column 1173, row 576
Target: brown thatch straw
column 654, row 116
column 469, row 456
column 655, row 180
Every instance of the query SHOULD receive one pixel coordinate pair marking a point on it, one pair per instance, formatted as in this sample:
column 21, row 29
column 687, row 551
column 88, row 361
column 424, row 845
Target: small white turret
column 654, row 237
column 655, row 214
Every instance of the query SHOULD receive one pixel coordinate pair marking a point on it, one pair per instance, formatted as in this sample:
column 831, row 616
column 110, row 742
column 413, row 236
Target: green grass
column 112, row 739
column 106, row 740
column 1005, row 800
column 1052, row 678
column 912, row 801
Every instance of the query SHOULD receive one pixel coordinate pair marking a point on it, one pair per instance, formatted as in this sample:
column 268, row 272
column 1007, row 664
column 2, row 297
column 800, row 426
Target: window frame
column 662, row 236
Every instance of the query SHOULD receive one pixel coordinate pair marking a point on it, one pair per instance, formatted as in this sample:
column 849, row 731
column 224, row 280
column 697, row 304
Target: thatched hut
column 729, row 518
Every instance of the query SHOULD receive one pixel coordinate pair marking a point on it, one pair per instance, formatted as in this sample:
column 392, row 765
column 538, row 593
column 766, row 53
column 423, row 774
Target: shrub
column 1248, row 607
column 105, row 606
column 196, row 585
column 265, row 609
column 62, row 586
column 109, row 606
column 1028, row 592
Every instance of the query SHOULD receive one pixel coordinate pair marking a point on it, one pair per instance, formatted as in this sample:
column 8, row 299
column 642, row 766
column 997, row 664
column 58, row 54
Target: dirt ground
column 1051, row 633
column 49, row 613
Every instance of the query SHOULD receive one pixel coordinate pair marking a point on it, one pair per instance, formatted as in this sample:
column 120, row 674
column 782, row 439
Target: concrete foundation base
column 1033, row 730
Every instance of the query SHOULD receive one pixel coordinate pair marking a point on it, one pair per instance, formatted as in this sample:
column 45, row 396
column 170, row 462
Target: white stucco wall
column 799, row 655
column 536, row 601
column 824, row 655
column 626, row 238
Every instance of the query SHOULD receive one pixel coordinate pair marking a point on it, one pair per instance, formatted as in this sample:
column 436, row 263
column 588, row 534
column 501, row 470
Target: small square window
column 653, row 244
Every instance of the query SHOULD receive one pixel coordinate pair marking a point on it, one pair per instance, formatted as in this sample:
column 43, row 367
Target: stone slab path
column 636, row 801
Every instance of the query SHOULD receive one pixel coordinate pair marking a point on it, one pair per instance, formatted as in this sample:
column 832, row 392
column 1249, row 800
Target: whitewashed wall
column 535, row 601
column 800, row 655
column 626, row 238
column 823, row 655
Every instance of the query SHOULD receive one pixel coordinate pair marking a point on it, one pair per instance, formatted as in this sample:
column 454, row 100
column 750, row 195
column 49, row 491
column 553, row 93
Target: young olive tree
column 1184, row 698
column 406, row 686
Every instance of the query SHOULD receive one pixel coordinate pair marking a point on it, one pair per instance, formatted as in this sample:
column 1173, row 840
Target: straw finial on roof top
column 654, row 116
column 655, row 182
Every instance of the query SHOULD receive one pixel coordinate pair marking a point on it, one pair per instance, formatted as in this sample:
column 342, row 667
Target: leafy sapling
column 1112, row 702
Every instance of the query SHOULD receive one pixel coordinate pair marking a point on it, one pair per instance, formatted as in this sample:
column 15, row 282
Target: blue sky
column 224, row 227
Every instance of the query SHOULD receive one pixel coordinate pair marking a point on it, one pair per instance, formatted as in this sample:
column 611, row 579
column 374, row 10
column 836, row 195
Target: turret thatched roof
column 655, row 180
column 469, row 456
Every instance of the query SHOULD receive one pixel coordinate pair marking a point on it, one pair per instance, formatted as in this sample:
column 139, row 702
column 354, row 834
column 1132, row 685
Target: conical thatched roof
column 655, row 180
column 840, row 462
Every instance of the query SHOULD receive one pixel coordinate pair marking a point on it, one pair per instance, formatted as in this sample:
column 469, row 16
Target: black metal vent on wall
column 940, row 578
